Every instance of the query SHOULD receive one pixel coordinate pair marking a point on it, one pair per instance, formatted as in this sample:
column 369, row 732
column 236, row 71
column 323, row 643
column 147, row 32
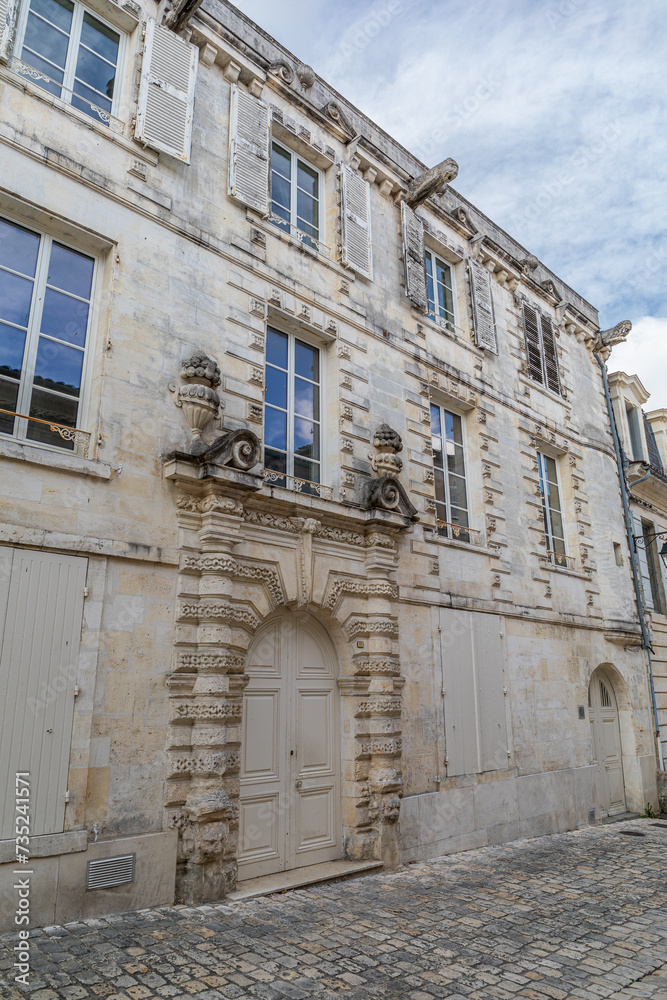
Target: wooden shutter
column 39, row 650
column 642, row 560
column 167, row 92
column 533, row 346
column 482, row 307
column 249, row 150
column 550, row 354
column 414, row 253
column 357, row 251
column 653, row 454
column 8, row 12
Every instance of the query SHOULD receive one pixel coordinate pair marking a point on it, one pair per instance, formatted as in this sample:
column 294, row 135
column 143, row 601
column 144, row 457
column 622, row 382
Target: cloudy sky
column 554, row 111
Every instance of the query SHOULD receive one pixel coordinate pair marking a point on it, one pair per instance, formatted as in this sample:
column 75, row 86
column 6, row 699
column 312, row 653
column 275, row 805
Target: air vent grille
column 107, row 872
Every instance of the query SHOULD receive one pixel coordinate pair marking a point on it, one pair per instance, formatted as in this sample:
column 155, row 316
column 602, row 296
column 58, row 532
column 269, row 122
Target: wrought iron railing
column 560, row 559
column 298, row 234
column 297, row 485
column 115, row 124
column 459, row 532
column 80, row 439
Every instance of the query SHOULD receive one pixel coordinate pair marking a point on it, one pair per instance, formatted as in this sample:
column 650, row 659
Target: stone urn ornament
column 197, row 396
column 387, row 443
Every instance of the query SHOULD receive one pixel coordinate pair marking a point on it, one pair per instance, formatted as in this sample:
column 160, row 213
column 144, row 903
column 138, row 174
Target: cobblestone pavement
column 573, row 915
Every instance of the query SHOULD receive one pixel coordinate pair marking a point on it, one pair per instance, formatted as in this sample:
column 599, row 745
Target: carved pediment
column 387, row 493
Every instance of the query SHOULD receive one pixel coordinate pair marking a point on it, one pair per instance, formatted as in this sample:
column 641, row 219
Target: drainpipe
column 646, row 642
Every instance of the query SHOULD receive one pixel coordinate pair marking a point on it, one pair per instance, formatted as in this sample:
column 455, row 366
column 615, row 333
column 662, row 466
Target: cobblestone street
column 574, row 915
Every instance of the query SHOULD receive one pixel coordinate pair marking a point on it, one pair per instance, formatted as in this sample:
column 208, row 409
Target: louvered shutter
column 533, row 347
column 550, row 354
column 357, row 251
column 167, row 92
column 653, row 454
column 642, row 560
column 8, row 12
column 482, row 307
column 249, row 145
column 413, row 256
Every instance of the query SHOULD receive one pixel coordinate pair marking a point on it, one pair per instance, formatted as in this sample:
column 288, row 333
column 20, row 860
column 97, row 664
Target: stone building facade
column 309, row 511
column 643, row 437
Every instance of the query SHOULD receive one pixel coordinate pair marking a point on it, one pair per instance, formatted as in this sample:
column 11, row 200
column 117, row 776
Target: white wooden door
column 606, row 738
column 41, row 609
column 290, row 752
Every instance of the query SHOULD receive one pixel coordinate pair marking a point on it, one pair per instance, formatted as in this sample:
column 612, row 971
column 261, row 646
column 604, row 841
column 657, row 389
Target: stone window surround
column 323, row 187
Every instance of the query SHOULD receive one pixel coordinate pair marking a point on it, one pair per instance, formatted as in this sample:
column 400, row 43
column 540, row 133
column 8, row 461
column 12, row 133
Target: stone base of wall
column 58, row 883
column 490, row 809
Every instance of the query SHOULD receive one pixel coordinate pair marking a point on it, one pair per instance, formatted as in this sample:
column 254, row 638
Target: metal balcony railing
column 80, row 439
column 273, row 478
column 459, row 532
column 18, row 66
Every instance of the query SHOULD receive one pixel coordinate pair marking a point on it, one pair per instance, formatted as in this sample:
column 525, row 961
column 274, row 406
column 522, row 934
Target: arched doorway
column 606, row 737
column 290, row 749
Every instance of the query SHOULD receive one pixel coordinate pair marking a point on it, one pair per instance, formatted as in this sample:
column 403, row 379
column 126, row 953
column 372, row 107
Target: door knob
column 298, row 783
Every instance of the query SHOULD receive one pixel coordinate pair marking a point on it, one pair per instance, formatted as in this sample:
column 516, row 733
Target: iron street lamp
column 650, row 538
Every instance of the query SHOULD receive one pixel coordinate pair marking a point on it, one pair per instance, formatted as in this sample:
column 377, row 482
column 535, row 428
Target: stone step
column 328, row 871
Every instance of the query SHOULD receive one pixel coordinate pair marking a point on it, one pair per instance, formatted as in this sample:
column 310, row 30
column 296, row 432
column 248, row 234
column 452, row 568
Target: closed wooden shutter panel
column 533, row 347
column 638, row 532
column 40, row 628
column 482, row 307
column 249, row 150
column 413, row 256
column 550, row 354
column 653, row 454
column 8, row 12
column 167, row 92
column 357, row 250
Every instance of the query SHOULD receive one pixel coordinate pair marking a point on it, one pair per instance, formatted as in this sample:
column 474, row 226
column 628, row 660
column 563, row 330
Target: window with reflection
column 440, row 290
column 449, row 469
column 45, row 296
column 292, row 428
column 295, row 194
column 551, row 507
column 75, row 53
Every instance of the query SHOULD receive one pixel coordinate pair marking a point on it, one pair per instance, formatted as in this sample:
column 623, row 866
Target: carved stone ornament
column 530, row 263
column 387, row 443
column 606, row 339
column 282, row 69
column 306, row 76
column 334, row 112
column 433, row 181
column 239, row 449
column 387, row 493
column 463, row 217
column 197, row 396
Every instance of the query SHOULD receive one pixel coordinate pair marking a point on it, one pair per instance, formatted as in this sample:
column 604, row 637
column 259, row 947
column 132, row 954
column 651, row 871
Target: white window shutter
column 249, row 150
column 166, row 92
column 357, row 248
column 482, row 307
column 642, row 561
column 414, row 253
column 8, row 12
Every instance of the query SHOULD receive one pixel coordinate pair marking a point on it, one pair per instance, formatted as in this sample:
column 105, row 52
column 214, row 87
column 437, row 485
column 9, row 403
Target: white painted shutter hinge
column 67, row 795
column 85, row 591
column 77, row 690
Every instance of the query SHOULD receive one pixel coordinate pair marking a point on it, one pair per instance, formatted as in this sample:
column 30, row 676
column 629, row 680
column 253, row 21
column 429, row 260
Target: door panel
column 606, row 744
column 39, row 652
column 290, row 758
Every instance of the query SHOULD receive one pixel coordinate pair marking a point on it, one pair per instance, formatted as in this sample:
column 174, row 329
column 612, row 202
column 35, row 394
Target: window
column 45, row 295
column 551, row 508
column 451, row 498
column 440, row 290
column 541, row 349
column 295, row 194
column 646, row 547
column 76, row 54
column 292, row 428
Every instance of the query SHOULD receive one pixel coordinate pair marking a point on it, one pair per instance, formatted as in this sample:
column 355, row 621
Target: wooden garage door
column 41, row 608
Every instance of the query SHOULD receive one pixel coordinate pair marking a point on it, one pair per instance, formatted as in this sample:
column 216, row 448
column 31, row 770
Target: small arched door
column 606, row 737
column 290, row 749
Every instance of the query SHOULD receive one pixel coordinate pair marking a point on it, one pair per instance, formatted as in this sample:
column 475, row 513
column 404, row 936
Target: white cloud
column 553, row 110
column 644, row 353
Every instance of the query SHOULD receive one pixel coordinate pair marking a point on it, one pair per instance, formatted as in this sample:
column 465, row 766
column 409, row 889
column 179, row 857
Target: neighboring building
column 643, row 438
column 311, row 536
